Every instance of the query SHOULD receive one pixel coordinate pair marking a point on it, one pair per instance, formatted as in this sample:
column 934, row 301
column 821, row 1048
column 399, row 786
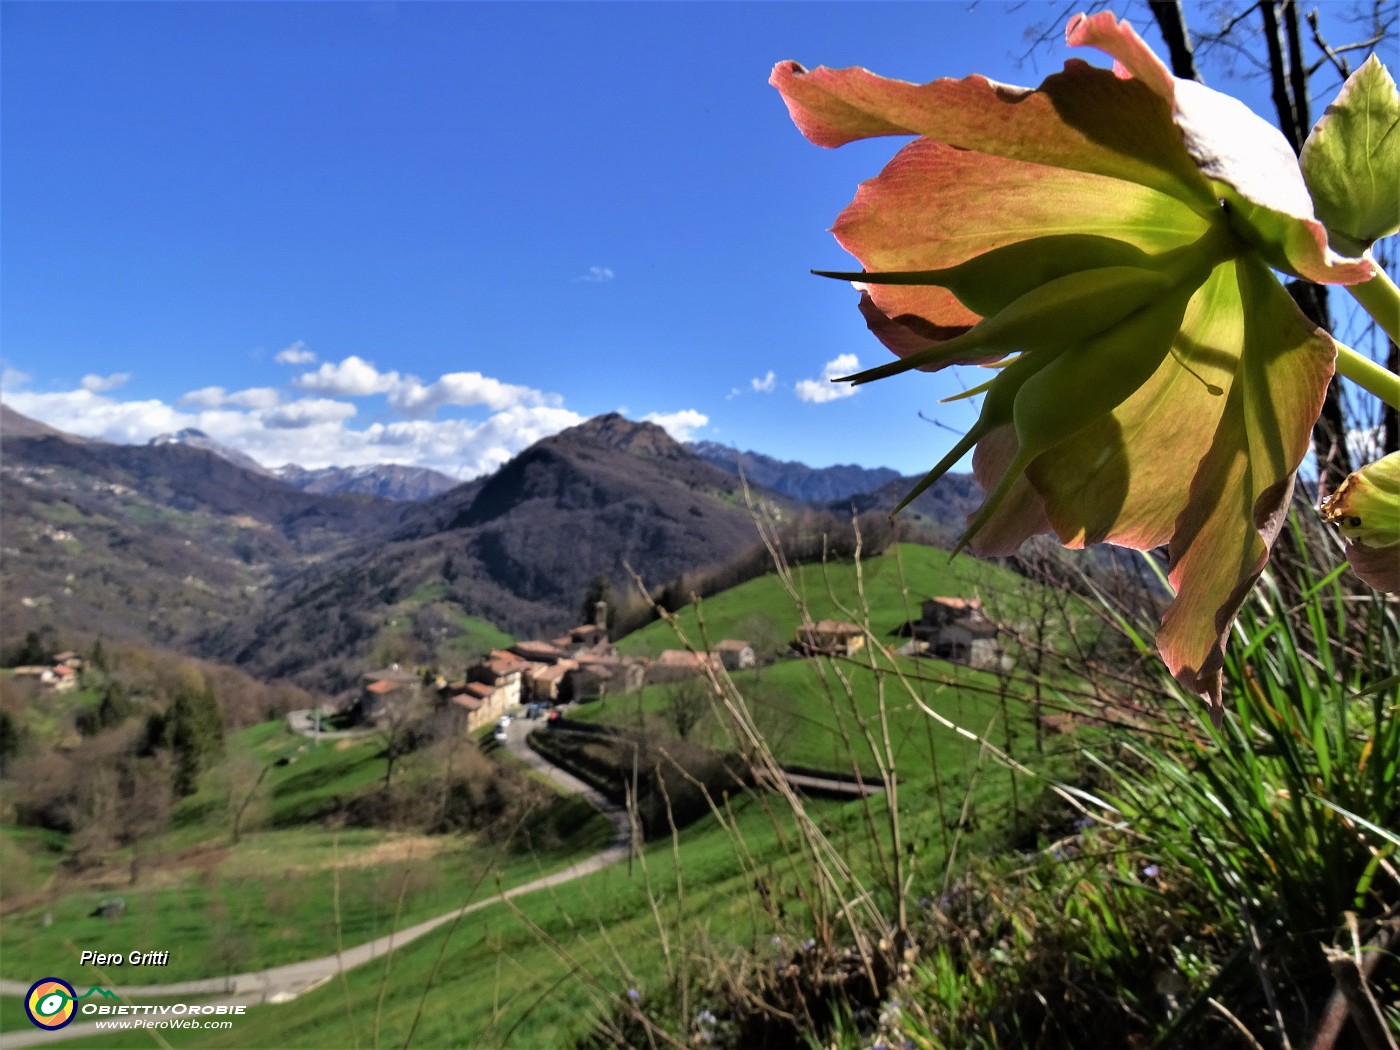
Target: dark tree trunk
column 1172, row 22
column 1390, row 417
column 1278, row 74
column 1288, row 79
column 1330, row 431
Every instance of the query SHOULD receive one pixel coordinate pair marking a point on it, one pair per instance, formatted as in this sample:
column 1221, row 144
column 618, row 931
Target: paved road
column 282, row 984
column 301, row 722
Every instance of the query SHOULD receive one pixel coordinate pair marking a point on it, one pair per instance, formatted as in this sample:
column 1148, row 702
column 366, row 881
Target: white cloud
column 297, row 415
column 820, row 391
column 353, row 377
column 764, row 385
column 101, row 384
column 13, row 378
column 205, row 396
column 296, row 354
column 597, row 275
column 411, row 397
column 460, row 447
column 313, row 432
column 89, row 414
column 680, row 425
column 218, row 397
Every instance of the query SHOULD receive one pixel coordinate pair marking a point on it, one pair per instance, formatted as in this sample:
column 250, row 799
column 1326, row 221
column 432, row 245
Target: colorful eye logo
column 49, row 1003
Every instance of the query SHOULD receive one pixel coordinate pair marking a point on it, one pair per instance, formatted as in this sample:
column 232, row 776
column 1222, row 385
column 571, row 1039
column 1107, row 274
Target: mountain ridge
column 518, row 548
column 176, row 544
column 793, row 478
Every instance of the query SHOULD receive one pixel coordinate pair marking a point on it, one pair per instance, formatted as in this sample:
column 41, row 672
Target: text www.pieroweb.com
column 186, row 1016
column 164, row 1022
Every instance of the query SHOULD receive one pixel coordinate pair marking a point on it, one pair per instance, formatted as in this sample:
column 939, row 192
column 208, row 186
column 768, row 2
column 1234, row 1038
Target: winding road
column 282, row 984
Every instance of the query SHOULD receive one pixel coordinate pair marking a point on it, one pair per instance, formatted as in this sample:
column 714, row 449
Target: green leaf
column 1351, row 161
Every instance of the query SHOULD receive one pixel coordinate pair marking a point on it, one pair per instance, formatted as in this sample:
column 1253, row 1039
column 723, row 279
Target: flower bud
column 1366, row 508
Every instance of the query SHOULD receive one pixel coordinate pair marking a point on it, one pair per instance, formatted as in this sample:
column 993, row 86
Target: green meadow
column 734, row 889
column 290, row 889
column 541, row 970
column 891, row 587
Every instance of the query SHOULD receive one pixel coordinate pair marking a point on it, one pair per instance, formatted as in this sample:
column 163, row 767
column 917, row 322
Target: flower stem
column 1381, row 299
column 1368, row 375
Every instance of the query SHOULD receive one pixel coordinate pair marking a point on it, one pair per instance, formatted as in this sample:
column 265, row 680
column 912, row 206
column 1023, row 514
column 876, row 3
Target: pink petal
column 903, row 330
column 1021, row 515
column 1083, row 119
column 934, row 207
column 1233, row 146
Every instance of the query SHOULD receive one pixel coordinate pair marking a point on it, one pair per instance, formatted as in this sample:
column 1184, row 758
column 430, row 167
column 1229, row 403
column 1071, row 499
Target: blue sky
column 434, row 233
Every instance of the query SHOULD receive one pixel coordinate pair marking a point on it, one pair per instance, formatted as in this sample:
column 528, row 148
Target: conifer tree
column 194, row 732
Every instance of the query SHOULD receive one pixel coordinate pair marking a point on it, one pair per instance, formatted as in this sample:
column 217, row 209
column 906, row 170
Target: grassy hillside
column 737, row 899
column 545, row 969
column 816, row 713
column 826, row 714
column 430, row 628
column 542, row 970
column 762, row 612
column 270, row 898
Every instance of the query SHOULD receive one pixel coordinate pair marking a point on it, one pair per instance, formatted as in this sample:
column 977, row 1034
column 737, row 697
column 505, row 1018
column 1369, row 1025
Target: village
column 60, row 675
column 583, row 666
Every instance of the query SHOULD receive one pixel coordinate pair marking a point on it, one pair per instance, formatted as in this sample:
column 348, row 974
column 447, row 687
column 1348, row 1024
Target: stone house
column 736, row 655
column 480, row 703
column 383, row 688
column 589, row 681
column 588, row 637
column 544, row 683
column 503, row 671
column 538, row 652
column 958, row 630
column 595, row 675
column 60, row 678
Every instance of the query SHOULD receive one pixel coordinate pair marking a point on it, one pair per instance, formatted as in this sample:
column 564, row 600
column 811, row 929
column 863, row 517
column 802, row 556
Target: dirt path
column 282, row 984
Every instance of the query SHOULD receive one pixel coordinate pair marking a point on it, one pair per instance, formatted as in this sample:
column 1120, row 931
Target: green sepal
column 990, row 282
column 1064, row 311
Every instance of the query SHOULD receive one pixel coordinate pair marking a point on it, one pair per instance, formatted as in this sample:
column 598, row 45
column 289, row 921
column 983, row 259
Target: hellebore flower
column 1366, row 507
column 1107, row 240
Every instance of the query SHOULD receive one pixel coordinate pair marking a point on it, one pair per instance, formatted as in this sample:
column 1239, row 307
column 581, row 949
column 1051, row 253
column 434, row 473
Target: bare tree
column 690, row 700
column 399, row 725
column 243, row 775
column 144, row 812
